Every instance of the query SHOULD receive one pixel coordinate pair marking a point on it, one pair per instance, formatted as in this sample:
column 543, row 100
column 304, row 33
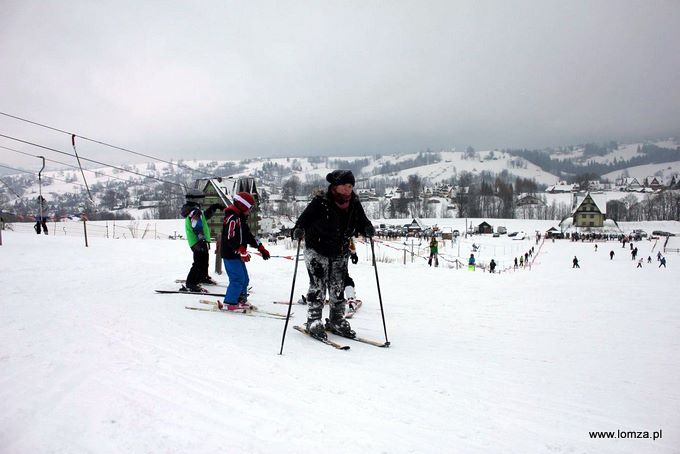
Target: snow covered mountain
column 131, row 184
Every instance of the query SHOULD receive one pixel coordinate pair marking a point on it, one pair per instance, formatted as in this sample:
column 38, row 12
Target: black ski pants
column 326, row 275
column 199, row 269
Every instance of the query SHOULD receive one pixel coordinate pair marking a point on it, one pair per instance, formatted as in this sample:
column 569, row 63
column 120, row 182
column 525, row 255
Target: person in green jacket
column 198, row 237
column 434, row 251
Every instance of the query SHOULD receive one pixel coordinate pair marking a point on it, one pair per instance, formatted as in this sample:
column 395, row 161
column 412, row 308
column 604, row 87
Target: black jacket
column 329, row 228
column 235, row 233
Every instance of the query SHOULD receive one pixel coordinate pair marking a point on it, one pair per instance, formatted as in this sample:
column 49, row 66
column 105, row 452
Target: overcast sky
column 237, row 79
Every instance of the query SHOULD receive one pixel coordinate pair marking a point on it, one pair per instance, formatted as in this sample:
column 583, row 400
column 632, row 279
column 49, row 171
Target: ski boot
column 338, row 324
column 243, row 302
column 209, row 281
column 193, row 288
column 229, row 307
column 316, row 329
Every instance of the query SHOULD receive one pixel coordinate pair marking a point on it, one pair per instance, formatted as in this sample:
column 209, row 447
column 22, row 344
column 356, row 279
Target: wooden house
column 588, row 213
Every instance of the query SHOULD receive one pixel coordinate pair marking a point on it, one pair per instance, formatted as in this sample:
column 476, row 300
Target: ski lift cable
column 65, row 164
column 73, row 135
column 97, row 173
column 92, row 160
column 10, row 188
column 96, row 191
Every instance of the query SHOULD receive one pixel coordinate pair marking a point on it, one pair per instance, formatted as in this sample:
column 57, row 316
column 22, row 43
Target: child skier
column 198, row 237
column 236, row 236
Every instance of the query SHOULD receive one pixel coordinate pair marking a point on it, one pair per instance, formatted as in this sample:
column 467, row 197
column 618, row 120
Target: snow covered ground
column 527, row 361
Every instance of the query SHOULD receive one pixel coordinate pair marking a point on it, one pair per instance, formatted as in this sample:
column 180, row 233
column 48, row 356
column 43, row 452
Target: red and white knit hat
column 244, row 199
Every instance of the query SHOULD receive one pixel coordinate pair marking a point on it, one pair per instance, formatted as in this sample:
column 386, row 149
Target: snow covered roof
column 600, row 201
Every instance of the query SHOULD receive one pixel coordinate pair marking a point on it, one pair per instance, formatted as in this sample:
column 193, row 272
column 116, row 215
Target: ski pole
column 292, row 292
column 377, row 281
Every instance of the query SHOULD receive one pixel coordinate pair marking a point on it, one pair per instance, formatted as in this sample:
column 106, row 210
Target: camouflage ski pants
column 326, row 274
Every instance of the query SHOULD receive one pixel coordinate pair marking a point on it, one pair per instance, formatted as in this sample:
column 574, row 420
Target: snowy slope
column 91, row 360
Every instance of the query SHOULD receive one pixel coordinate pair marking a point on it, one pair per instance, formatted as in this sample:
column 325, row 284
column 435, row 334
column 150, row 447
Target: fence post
column 2, row 227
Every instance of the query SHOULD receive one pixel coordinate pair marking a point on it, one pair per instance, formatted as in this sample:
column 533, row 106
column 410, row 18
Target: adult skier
column 236, row 237
column 198, row 237
column 327, row 224
column 575, row 263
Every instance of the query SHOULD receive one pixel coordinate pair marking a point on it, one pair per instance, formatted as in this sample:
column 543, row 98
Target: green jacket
column 434, row 247
column 192, row 238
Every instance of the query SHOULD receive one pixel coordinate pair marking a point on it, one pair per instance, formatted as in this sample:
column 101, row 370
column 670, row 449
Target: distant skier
column 575, row 263
column 492, row 266
column 639, row 264
column 434, row 251
column 471, row 262
column 236, row 237
column 198, row 237
column 515, row 264
column 596, row 248
column 327, row 224
column 649, row 259
column 611, row 255
column 662, row 262
column 41, row 219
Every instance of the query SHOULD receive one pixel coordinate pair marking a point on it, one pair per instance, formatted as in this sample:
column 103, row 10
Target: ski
column 184, row 281
column 239, row 312
column 363, row 340
column 325, row 341
column 189, row 293
column 252, row 308
column 359, row 339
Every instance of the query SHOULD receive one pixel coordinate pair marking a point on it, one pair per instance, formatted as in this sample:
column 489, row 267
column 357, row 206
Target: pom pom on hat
column 338, row 177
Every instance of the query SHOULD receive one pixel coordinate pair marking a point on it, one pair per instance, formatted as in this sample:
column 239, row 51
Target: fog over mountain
column 216, row 80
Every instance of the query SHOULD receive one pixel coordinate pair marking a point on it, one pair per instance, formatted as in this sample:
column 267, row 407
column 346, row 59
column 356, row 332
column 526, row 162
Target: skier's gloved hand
column 264, row 252
column 354, row 258
column 369, row 230
column 243, row 253
column 298, row 233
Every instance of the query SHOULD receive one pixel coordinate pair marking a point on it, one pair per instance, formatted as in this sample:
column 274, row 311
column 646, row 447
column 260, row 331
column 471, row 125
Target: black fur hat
column 338, row 177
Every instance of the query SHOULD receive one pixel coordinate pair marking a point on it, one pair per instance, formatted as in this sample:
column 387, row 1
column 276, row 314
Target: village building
column 589, row 215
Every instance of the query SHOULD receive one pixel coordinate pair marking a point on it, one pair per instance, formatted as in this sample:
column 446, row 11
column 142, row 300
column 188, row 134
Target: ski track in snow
column 523, row 361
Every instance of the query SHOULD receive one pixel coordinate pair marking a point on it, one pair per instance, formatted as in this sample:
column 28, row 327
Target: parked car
column 662, row 233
